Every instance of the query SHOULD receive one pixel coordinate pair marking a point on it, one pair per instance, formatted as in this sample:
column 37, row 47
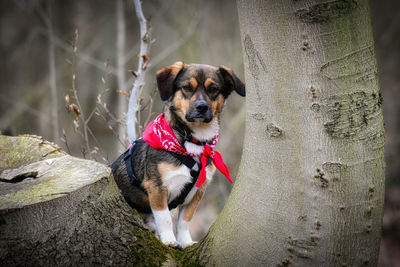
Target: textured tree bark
column 311, row 182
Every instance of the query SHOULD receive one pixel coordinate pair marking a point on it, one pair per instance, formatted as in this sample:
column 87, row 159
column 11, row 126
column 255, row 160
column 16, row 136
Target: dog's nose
column 201, row 106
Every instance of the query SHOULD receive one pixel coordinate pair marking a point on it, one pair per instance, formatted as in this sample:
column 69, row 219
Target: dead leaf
column 75, row 109
column 145, row 57
column 122, row 92
column 76, row 124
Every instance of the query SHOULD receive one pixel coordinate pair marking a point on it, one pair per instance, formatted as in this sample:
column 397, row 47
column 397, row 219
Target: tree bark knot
column 323, row 12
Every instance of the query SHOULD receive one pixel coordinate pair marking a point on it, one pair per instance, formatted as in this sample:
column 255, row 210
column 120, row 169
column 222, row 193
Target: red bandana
column 159, row 135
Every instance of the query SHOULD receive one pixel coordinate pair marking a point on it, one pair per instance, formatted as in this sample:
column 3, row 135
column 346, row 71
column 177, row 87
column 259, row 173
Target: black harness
column 186, row 160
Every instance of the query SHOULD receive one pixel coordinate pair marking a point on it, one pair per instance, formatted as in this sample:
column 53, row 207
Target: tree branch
column 83, row 56
column 145, row 41
column 173, row 47
column 81, row 115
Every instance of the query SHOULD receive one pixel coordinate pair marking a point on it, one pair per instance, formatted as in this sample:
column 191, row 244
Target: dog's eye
column 187, row 88
column 212, row 89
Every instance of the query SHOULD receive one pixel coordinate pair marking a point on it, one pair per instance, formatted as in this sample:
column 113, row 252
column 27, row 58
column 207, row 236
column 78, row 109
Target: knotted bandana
column 159, row 135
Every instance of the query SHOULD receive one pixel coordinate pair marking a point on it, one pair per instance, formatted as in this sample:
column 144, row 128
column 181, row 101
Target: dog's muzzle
column 199, row 112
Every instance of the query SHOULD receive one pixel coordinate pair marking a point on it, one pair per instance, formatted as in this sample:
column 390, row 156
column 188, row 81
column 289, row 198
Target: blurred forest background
column 36, row 76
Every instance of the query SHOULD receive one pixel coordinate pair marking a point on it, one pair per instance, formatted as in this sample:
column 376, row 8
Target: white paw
column 184, row 239
column 173, row 244
column 188, row 244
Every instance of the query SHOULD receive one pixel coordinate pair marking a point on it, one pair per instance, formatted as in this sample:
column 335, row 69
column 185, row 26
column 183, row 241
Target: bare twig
column 59, row 43
column 77, row 109
column 97, row 149
column 110, row 114
column 145, row 42
column 65, row 141
column 103, row 90
column 81, row 116
column 111, row 128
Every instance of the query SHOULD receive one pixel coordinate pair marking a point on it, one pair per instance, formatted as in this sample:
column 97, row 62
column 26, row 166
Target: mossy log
column 56, row 209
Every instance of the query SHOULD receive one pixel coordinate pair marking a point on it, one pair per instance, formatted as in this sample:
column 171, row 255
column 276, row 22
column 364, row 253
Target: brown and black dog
column 194, row 96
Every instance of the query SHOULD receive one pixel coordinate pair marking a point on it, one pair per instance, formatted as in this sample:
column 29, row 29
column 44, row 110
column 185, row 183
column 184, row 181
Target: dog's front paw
column 184, row 238
column 187, row 244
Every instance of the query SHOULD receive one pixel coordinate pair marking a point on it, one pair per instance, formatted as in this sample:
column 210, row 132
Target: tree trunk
column 311, row 182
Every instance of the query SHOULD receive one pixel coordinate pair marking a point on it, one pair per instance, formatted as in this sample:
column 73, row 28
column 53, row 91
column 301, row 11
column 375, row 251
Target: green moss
column 136, row 213
column 57, row 177
column 17, row 151
column 149, row 251
column 188, row 257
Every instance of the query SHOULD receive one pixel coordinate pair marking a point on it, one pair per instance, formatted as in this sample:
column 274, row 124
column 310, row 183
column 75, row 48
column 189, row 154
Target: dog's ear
column 166, row 78
column 232, row 82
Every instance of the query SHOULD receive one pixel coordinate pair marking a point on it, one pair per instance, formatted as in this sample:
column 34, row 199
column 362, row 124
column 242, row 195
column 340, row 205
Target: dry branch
column 81, row 116
column 145, row 42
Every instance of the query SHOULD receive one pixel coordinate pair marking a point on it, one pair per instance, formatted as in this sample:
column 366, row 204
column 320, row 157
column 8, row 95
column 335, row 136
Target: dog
column 160, row 179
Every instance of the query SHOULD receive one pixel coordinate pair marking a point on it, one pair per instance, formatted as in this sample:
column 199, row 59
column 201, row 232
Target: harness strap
column 186, row 160
column 128, row 162
column 188, row 137
column 190, row 163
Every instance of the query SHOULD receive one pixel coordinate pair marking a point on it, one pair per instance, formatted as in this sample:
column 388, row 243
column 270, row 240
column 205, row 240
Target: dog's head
column 197, row 92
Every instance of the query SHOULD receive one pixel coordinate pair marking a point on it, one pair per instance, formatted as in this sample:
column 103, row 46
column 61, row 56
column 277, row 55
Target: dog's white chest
column 175, row 181
column 193, row 148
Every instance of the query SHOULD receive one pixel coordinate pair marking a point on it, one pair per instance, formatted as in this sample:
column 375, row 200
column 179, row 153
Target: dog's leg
column 158, row 197
column 187, row 210
column 185, row 216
